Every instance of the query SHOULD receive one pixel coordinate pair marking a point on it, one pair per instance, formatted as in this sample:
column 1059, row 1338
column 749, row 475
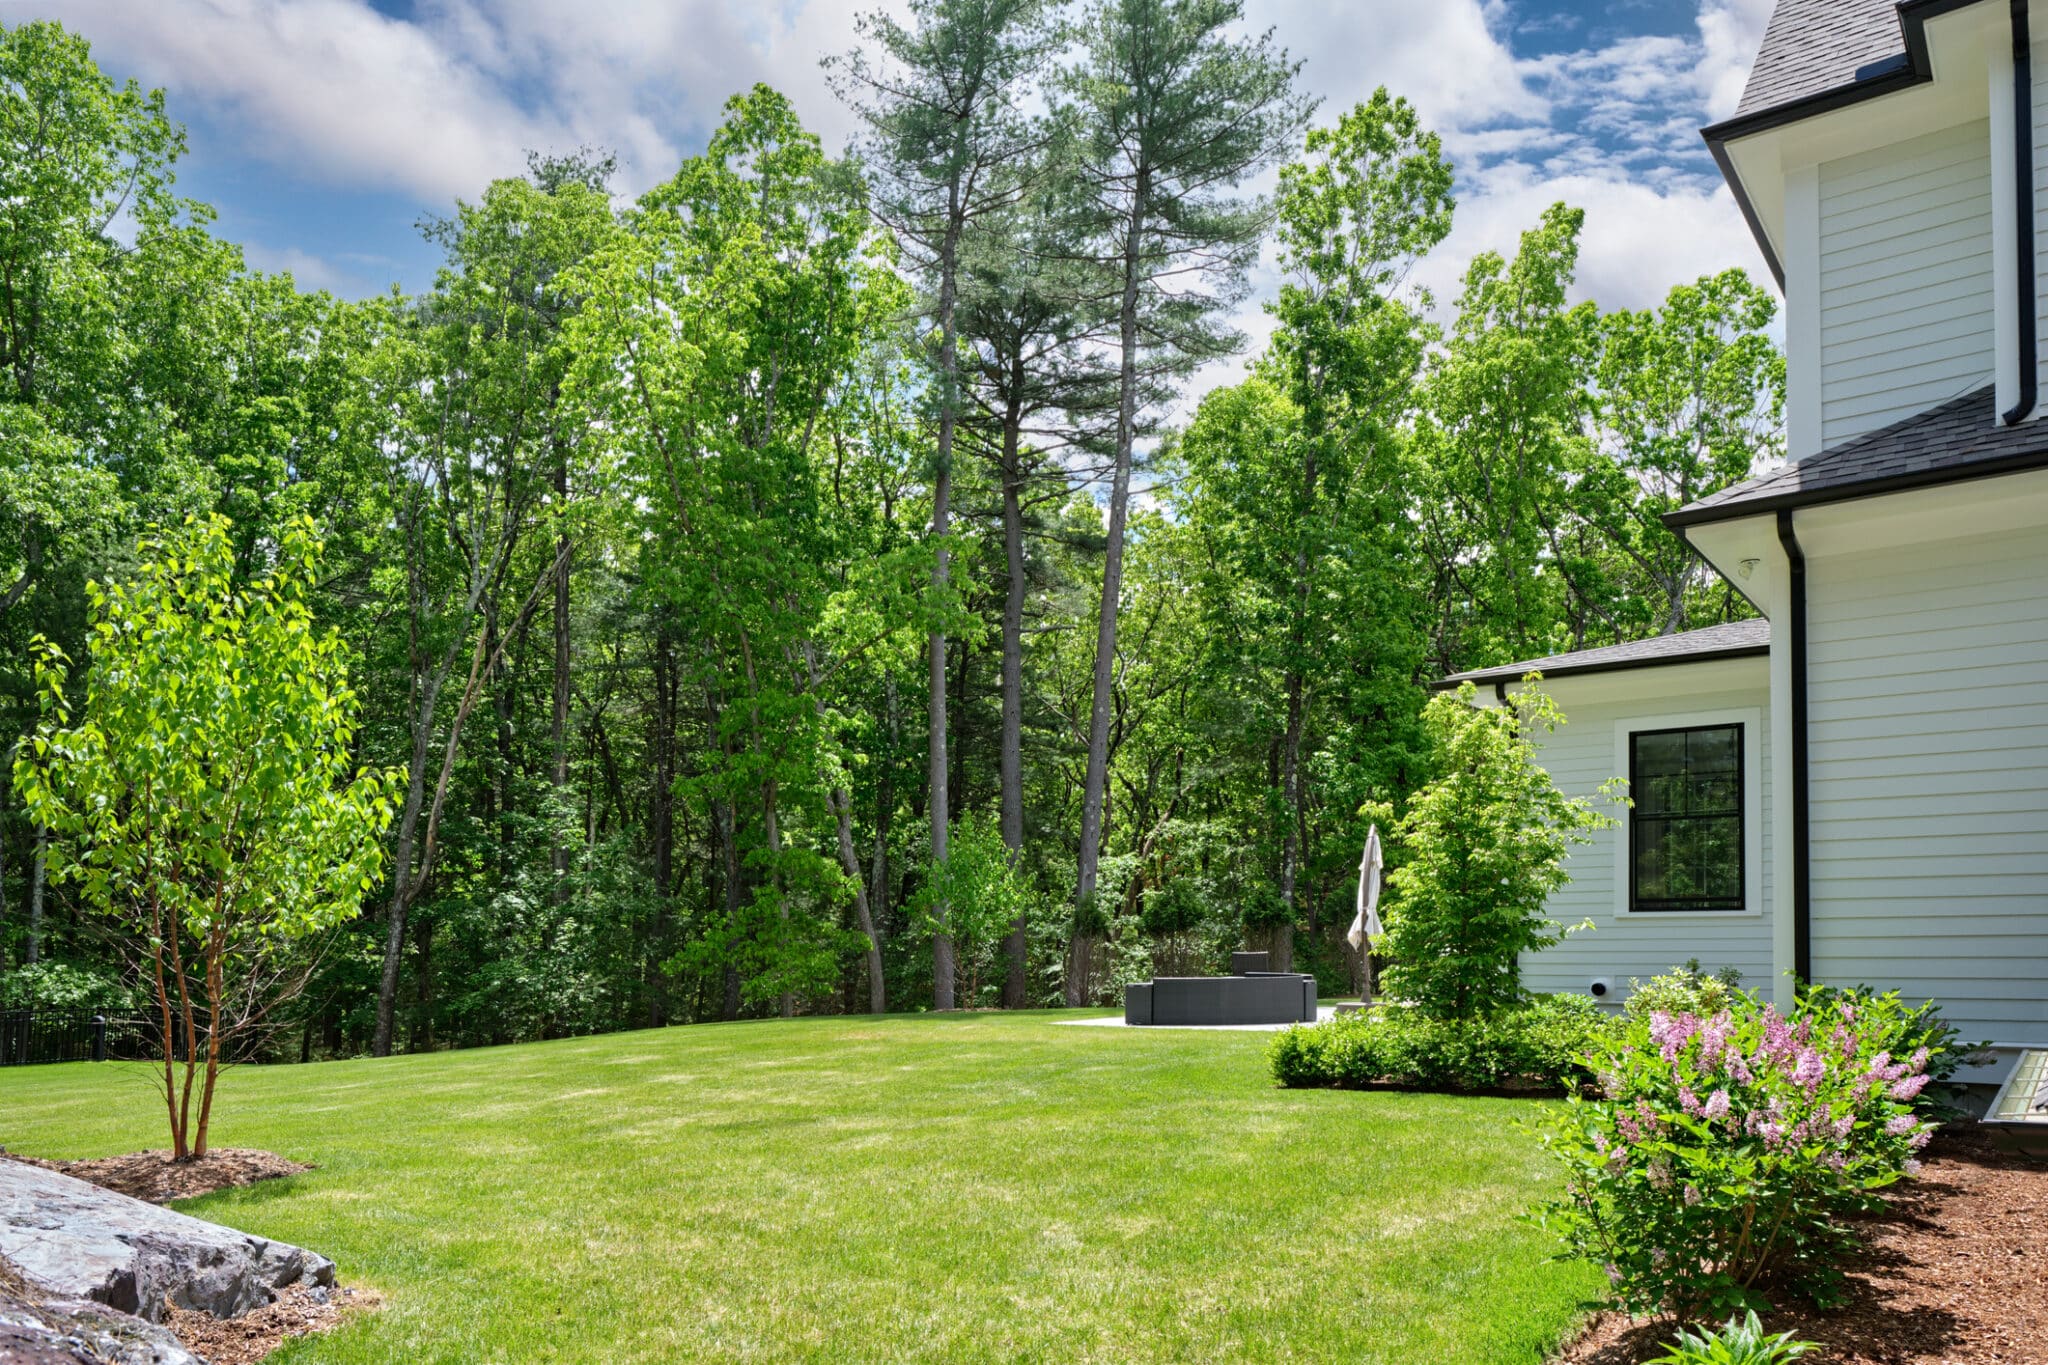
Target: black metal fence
column 29, row 1037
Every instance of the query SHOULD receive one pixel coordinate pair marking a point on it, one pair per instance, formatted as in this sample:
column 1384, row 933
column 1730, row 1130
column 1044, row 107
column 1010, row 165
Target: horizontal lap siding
column 1582, row 756
column 1906, row 279
column 1929, row 770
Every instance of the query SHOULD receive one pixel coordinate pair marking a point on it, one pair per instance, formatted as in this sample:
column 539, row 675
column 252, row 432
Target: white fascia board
column 1667, row 683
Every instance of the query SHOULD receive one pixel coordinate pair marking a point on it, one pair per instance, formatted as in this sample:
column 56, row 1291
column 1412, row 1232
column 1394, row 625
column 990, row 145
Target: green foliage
column 1536, row 1045
column 1725, row 1155
column 1483, row 849
column 64, row 988
column 204, row 798
column 1739, row 1341
column 1176, row 908
column 1685, row 990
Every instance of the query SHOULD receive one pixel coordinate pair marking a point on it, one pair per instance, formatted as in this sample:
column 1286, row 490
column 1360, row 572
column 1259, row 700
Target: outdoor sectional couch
column 1250, row 996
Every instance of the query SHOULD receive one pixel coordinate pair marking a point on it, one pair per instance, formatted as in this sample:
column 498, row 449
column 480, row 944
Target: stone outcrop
column 72, row 1240
column 36, row 1331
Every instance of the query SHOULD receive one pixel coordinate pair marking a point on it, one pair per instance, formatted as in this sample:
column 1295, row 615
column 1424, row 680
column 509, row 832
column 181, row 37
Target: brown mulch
column 1955, row 1272
column 155, row 1177
column 298, row 1311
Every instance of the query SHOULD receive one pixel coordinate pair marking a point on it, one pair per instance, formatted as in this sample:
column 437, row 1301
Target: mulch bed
column 298, row 1311
column 155, row 1177
column 1954, row 1273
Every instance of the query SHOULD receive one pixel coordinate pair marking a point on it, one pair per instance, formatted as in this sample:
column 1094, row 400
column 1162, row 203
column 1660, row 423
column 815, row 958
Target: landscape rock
column 69, row 1332
column 73, row 1240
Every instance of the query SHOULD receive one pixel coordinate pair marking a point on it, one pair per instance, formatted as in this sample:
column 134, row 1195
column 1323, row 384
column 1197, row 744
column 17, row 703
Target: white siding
column 1905, row 279
column 1583, row 755
column 1929, row 770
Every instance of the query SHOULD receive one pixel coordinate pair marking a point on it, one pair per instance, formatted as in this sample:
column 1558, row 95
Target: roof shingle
column 1732, row 639
column 1961, row 439
column 1813, row 46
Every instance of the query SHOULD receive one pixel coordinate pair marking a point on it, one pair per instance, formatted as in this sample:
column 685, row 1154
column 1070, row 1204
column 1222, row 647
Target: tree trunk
column 661, row 831
column 558, row 733
column 37, row 866
column 841, row 802
column 1112, row 595
column 401, row 865
column 1011, row 759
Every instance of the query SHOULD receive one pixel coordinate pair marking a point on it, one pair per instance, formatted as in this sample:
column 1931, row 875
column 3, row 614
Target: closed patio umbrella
column 1366, row 927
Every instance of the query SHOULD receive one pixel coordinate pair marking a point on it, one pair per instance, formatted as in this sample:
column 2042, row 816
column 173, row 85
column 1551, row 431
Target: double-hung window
column 1685, row 830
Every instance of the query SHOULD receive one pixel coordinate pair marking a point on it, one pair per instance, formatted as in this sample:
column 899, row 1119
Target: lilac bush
column 1722, row 1152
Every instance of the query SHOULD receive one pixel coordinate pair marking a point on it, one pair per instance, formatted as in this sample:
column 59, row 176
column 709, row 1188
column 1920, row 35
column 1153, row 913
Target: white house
column 1855, row 789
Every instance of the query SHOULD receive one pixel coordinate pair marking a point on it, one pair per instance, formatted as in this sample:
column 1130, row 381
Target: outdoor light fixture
column 1747, row 567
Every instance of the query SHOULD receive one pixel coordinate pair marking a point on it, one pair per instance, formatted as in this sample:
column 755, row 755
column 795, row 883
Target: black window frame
column 1708, row 905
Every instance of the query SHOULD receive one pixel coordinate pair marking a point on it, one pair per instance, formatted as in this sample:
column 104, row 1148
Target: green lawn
column 970, row 1188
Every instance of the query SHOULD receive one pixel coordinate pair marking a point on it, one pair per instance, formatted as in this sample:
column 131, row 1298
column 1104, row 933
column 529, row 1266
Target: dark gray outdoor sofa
column 1252, row 995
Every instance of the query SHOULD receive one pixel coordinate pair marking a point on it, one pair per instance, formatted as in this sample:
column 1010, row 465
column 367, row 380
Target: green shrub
column 1482, row 850
column 1684, row 990
column 61, row 987
column 1724, row 1153
column 1538, row 1045
column 1741, row 1341
column 1175, row 908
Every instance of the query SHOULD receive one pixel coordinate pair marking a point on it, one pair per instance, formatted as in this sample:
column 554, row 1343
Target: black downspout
column 1802, row 877
column 2023, row 197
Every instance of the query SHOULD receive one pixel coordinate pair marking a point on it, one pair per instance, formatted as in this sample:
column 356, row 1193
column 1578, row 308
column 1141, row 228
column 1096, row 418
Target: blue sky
column 323, row 130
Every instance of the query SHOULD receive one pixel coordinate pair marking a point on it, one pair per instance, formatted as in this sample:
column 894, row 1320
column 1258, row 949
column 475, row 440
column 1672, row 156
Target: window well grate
column 2024, row 1096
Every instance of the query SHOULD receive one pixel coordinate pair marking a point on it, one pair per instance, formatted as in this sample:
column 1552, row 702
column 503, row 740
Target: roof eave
column 2020, row 463
column 1488, row 677
column 1918, row 69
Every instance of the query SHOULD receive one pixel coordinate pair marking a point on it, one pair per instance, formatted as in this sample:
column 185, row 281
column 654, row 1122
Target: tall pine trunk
column 1011, row 759
column 942, row 522
column 1083, row 944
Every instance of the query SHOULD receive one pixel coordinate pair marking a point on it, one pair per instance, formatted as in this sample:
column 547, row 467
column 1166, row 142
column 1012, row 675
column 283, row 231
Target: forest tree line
column 807, row 585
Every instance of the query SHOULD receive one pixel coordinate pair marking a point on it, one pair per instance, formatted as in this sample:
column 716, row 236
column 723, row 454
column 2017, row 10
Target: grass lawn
column 970, row 1188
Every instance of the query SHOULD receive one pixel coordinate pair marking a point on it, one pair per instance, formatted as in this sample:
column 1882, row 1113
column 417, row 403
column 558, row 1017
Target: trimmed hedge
column 1536, row 1047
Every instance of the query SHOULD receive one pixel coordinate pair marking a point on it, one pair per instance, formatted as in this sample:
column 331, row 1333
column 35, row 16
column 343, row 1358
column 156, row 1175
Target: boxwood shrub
column 1534, row 1047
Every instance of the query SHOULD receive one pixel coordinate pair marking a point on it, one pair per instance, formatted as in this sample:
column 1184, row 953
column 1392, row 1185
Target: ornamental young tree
column 204, row 798
column 1483, row 848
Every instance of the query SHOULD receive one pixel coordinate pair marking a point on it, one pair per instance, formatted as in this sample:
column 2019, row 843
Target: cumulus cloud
column 438, row 104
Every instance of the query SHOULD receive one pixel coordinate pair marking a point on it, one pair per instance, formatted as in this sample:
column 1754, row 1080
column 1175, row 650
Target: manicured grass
column 970, row 1188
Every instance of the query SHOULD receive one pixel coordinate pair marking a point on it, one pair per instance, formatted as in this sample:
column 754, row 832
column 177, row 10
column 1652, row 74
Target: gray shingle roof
column 1724, row 641
column 1961, row 439
column 1812, row 46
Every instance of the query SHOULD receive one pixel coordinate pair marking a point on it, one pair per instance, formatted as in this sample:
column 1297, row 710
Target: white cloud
column 437, row 106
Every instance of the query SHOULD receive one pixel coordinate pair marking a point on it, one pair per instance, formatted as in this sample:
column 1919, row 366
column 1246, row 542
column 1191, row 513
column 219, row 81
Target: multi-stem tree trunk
column 1011, row 759
column 1093, row 784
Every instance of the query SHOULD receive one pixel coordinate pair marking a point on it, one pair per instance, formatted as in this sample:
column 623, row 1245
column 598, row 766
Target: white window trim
column 1751, row 721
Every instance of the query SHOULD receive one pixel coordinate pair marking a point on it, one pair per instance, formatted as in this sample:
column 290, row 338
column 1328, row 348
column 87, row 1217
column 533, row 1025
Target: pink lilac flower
column 1613, row 1272
column 1625, row 1120
column 1919, row 1139
column 1688, row 1101
column 1919, row 1061
column 1716, row 1106
column 1692, row 1195
column 1900, row 1125
column 1844, row 1125
column 1912, row 1167
column 1810, row 1069
column 1908, row 1088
